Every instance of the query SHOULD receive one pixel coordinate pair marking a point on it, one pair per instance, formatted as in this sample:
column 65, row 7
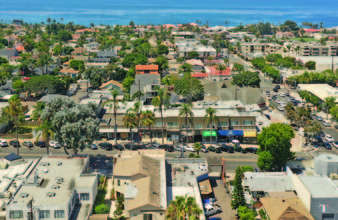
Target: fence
column 31, row 123
column 20, row 136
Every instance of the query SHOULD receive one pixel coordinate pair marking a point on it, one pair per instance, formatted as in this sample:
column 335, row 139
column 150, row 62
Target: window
column 44, row 214
column 15, row 214
column 59, row 214
column 184, row 126
column 197, row 126
column 84, row 196
column 234, row 123
column 208, row 126
column 172, row 124
column 158, row 123
column 223, row 124
column 118, row 182
column 247, row 122
column 147, row 216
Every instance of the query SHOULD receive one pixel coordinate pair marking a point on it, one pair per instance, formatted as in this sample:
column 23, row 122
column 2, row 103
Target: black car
column 130, row 146
column 140, row 146
column 327, row 145
column 267, row 116
column 274, row 97
column 267, row 92
column 336, row 126
column 215, row 149
column 287, row 94
column 251, row 150
column 292, row 98
column 27, row 144
column 227, row 148
column 277, row 86
column 118, row 147
column 154, row 147
column 319, row 139
column 40, row 144
column 14, row 143
column 167, row 147
column 106, row 146
column 275, row 90
column 321, row 134
column 240, row 149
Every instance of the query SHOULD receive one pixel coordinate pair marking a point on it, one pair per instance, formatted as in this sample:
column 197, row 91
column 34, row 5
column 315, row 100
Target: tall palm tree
column 186, row 112
column 38, row 109
column 183, row 208
column 129, row 121
column 226, row 60
column 137, row 111
column 197, row 147
column 238, row 45
column 162, row 101
column 329, row 103
column 148, row 119
column 14, row 114
column 114, row 104
column 210, row 117
column 47, row 133
column 221, row 68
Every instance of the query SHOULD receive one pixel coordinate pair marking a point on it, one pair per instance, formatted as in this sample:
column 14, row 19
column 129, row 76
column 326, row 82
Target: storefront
column 229, row 135
column 206, row 137
column 121, row 134
column 250, row 137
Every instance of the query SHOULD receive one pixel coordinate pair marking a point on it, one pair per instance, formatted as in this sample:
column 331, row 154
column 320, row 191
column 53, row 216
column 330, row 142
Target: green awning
column 207, row 133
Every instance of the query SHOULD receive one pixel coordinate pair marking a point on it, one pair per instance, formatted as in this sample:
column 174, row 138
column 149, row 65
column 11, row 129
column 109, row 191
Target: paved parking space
column 101, row 164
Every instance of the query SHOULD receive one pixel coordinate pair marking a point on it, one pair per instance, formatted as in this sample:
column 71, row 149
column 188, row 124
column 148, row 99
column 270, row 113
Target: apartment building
column 316, row 49
column 255, row 47
column 183, row 34
column 52, row 190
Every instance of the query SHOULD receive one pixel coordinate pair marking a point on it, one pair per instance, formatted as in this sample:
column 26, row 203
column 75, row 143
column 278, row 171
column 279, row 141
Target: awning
column 207, row 133
column 190, row 133
column 119, row 130
column 230, row 132
column 250, row 134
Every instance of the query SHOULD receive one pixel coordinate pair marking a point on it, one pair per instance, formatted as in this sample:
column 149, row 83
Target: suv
column 40, row 144
column 106, row 146
column 251, row 150
column 240, row 149
column 14, row 143
column 3, row 143
column 227, row 148
column 118, row 147
column 167, row 147
column 215, row 149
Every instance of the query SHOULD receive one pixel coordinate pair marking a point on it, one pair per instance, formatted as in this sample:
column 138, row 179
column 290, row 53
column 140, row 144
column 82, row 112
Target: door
column 327, row 216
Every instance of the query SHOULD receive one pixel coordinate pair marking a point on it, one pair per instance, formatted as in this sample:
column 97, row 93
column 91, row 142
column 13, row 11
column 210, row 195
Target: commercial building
column 316, row 49
column 256, row 47
column 322, row 91
column 322, row 62
column 53, row 188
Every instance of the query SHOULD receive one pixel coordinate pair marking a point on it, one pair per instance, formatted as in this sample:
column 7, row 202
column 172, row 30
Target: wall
column 303, row 194
column 125, row 182
column 331, row 206
column 155, row 211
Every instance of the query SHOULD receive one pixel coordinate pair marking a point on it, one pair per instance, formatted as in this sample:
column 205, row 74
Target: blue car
column 215, row 218
column 327, row 145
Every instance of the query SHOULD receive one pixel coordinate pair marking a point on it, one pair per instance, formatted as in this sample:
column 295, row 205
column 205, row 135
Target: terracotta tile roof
column 146, row 67
column 200, row 75
column 215, row 72
column 69, row 71
column 311, row 30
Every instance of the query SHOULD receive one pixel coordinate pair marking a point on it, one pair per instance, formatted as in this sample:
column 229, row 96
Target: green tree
column 276, row 139
column 14, row 115
column 75, row 126
column 193, row 55
column 76, row 64
column 162, row 49
column 127, row 83
column 114, row 104
column 246, row 79
column 37, row 111
column 197, row 147
column 97, row 81
column 245, row 213
column 45, row 84
column 148, row 120
column 311, row 65
column 265, row 161
column 102, row 209
column 330, row 102
column 238, row 198
column 162, row 101
column 180, row 59
column 182, row 208
column 162, row 63
column 137, row 111
column 186, row 112
column 130, row 121
column 18, row 86
column 210, row 117
column 64, row 36
column 47, row 133
column 238, row 67
column 210, row 58
column 190, row 87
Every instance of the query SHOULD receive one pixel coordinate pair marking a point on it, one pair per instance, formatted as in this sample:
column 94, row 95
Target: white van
column 28, row 115
column 326, row 123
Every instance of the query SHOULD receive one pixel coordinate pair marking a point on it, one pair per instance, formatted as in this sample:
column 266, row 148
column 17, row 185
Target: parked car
column 227, row 148
column 140, row 146
column 54, row 144
column 204, row 149
column 319, row 118
column 292, row 98
column 315, row 144
column 329, row 138
column 267, row 116
column 40, row 144
column 327, row 145
column 274, row 97
column 106, row 146
column 177, row 147
column 167, row 147
column 277, row 86
column 153, row 146
column 268, row 97
column 240, row 149
column 190, row 148
column 281, row 108
column 278, row 101
column 275, row 90
column 27, row 144
column 215, row 149
column 118, row 147
column 300, row 158
column 94, row 146
column 321, row 134
column 326, row 123
column 130, row 146
column 251, row 150
column 14, row 143
column 335, row 143
column 287, row 94
column 267, row 92
column 336, row 126
column 319, row 139
column 212, row 210
column 282, row 94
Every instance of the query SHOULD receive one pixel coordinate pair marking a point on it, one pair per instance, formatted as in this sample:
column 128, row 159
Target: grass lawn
column 306, row 39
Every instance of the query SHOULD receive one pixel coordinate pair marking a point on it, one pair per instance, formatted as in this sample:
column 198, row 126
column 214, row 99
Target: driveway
column 223, row 199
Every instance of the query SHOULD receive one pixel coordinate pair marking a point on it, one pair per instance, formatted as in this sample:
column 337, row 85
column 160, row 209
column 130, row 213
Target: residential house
column 92, row 47
column 78, row 51
column 146, row 69
column 103, row 56
column 315, row 49
column 197, row 65
column 111, row 85
column 70, row 72
column 287, row 34
column 182, row 34
column 146, row 83
column 185, row 47
column 98, row 103
column 8, row 53
column 54, row 189
column 102, row 65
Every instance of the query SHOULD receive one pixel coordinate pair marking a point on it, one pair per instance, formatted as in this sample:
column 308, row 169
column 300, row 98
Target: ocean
column 213, row 12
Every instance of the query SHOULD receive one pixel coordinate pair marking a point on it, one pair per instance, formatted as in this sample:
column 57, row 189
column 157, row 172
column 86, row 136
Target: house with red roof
column 70, row 72
column 146, row 69
column 311, row 30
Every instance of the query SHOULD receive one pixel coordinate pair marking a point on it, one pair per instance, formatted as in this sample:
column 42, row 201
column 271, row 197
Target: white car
column 282, row 94
column 281, row 108
column 278, row 101
column 283, row 104
column 54, row 144
column 329, row 138
column 94, row 146
column 3, row 143
column 190, row 148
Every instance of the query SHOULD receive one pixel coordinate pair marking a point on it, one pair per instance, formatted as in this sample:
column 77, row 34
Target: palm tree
column 297, row 49
column 289, row 48
column 129, row 121
column 186, row 112
column 47, row 133
column 114, row 104
column 137, row 111
column 183, row 208
column 221, row 68
column 38, row 109
column 238, row 45
column 14, row 114
column 162, row 101
column 148, row 119
column 329, row 103
column 197, row 147
column 210, row 58
column 210, row 117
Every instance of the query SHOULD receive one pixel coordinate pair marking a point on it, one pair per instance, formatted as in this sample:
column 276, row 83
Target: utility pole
column 332, row 62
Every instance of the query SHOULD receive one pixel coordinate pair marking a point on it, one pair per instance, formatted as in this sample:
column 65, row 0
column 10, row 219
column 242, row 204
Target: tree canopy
column 46, row 84
column 246, row 79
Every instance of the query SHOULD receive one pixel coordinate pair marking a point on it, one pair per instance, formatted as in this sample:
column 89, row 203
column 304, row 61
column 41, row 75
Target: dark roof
column 8, row 53
column 109, row 53
column 99, row 60
column 50, row 97
column 145, row 79
column 12, row 157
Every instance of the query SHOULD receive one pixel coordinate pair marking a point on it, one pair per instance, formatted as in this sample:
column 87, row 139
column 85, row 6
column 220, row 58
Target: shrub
column 102, row 209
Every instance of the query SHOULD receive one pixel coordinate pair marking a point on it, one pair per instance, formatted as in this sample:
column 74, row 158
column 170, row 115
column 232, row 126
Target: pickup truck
column 212, row 210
